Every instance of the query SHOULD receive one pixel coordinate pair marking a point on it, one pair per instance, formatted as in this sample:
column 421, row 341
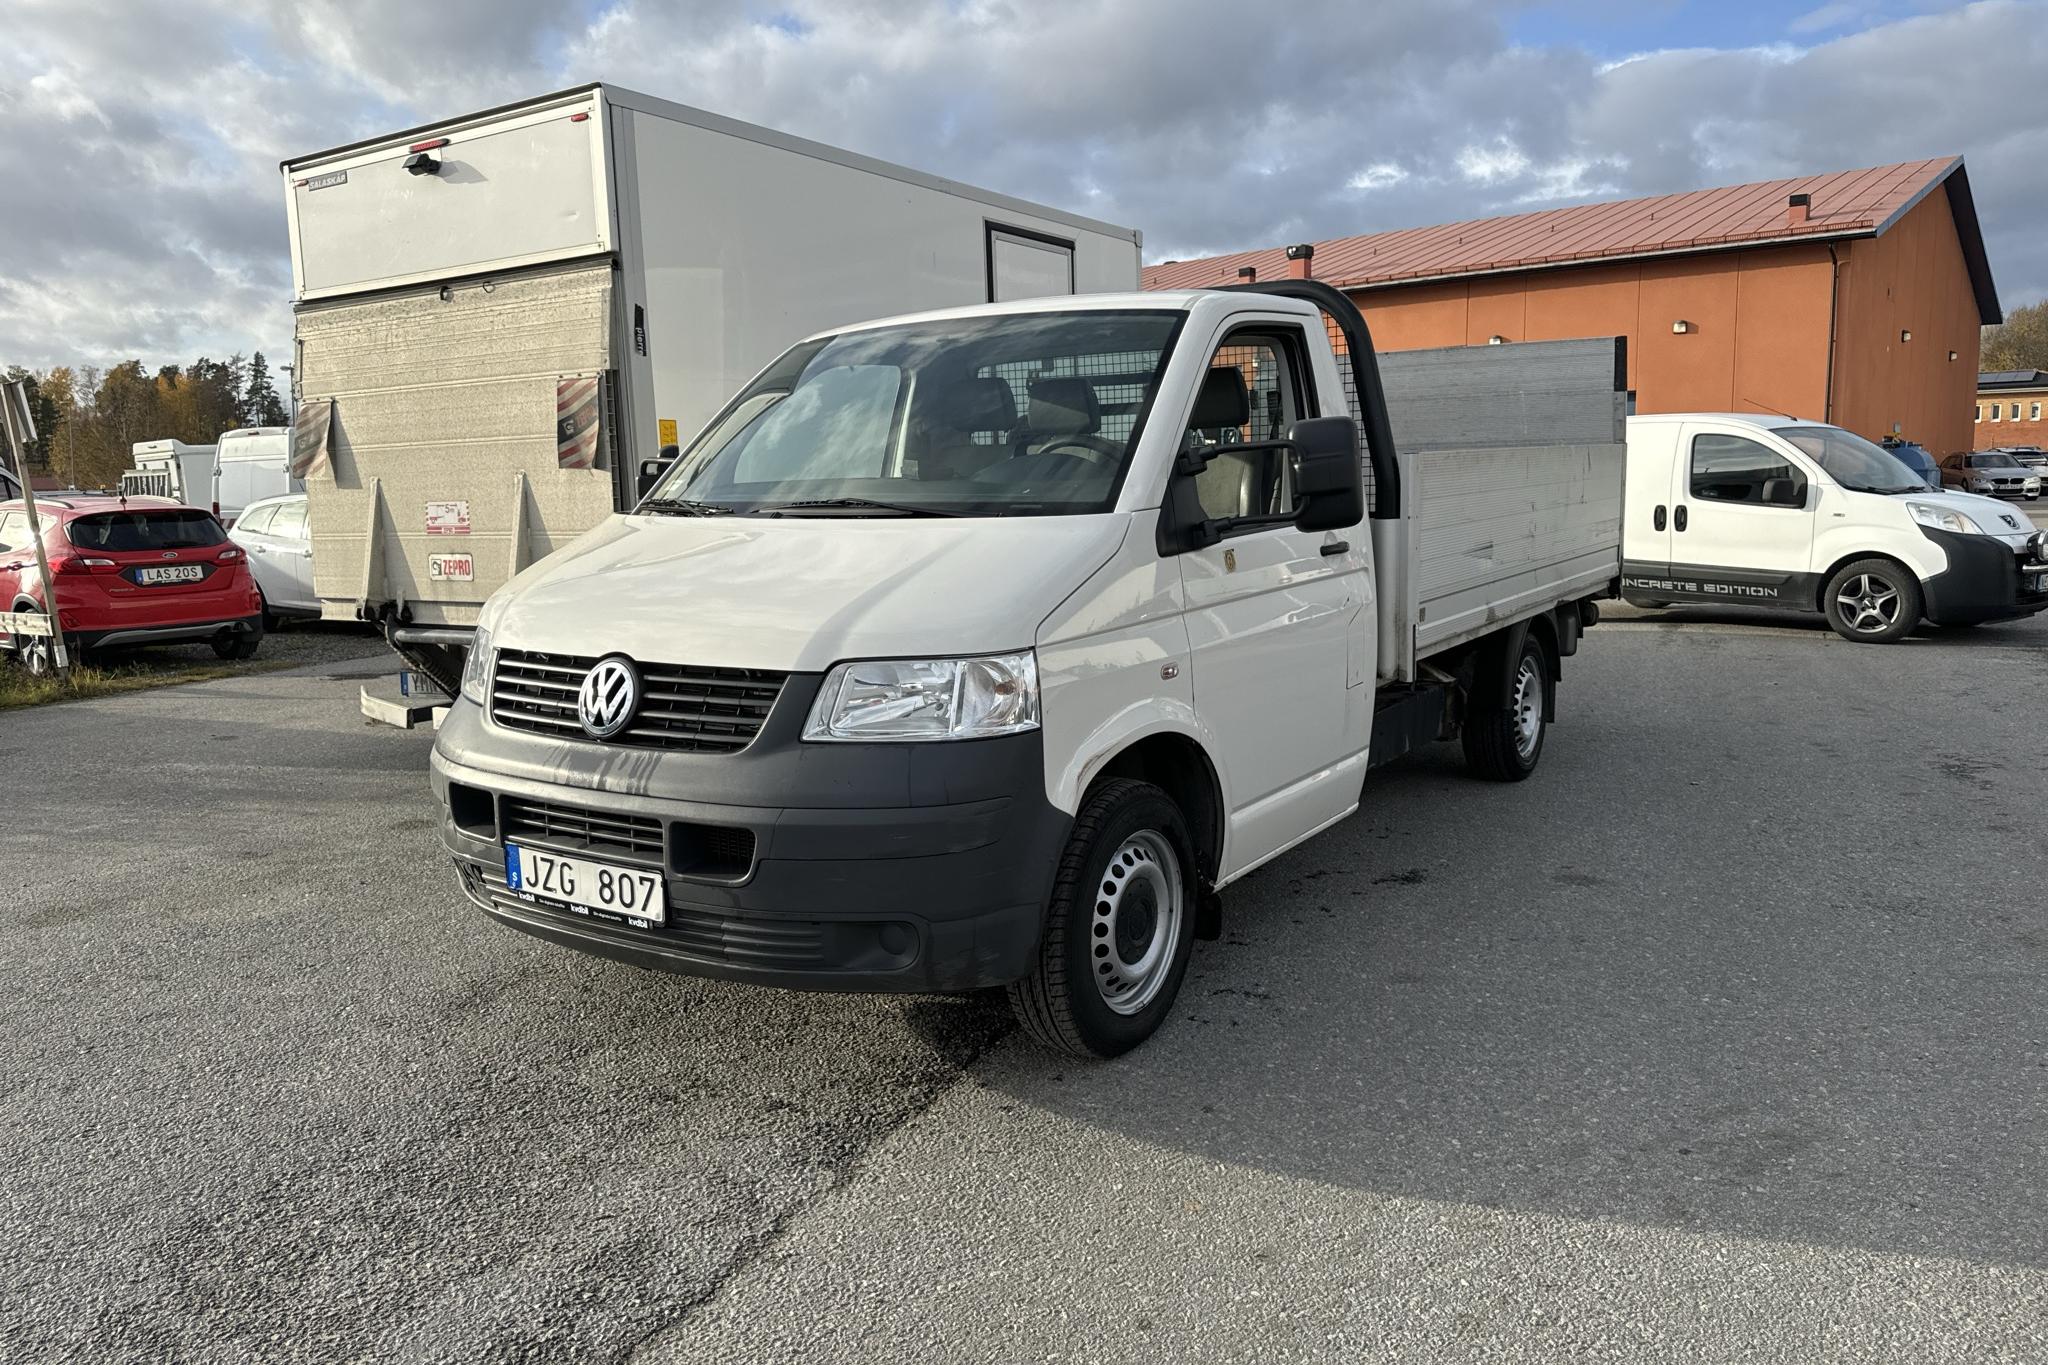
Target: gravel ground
column 1723, row 1038
column 297, row 643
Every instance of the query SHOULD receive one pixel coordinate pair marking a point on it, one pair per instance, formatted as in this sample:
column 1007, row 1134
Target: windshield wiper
column 868, row 504
column 683, row 507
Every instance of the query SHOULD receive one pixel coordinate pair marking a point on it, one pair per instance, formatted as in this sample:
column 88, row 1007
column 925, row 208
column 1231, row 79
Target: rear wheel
column 1119, row 929
column 238, row 644
column 1503, row 743
column 34, row 652
column 1873, row 601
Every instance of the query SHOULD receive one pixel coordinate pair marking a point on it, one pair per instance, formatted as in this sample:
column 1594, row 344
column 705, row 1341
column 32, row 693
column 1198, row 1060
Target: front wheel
column 1119, row 928
column 1873, row 602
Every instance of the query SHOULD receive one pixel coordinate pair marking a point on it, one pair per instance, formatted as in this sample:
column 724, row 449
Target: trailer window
column 1013, row 415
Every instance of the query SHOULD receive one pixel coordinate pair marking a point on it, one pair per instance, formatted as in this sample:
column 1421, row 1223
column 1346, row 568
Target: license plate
column 629, row 893
column 171, row 573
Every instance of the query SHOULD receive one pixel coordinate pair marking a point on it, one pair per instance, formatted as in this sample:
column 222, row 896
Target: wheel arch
column 1177, row 764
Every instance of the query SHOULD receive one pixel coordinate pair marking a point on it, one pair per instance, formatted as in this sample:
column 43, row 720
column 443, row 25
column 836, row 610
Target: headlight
column 2038, row 543
column 901, row 700
column 476, row 670
column 1927, row 514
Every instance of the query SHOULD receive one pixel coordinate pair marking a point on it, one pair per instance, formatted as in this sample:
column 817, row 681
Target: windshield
column 1026, row 414
column 1996, row 459
column 181, row 529
column 1853, row 462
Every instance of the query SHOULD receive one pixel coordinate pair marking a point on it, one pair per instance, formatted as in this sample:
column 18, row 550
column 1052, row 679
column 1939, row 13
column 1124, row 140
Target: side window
column 257, row 519
column 1253, row 392
column 13, row 530
column 289, row 521
column 1737, row 469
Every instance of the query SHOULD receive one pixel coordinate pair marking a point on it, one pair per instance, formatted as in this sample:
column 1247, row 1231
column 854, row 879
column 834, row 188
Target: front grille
column 705, row 710
column 742, row 941
column 572, row 828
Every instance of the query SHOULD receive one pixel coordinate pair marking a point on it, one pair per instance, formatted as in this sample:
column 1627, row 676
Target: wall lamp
column 1905, row 335
column 1681, row 327
column 1495, row 340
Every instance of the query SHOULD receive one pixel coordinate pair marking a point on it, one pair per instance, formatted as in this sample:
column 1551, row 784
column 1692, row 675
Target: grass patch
column 19, row 687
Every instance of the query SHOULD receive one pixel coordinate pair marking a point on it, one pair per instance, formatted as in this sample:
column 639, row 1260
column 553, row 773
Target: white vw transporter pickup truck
column 984, row 647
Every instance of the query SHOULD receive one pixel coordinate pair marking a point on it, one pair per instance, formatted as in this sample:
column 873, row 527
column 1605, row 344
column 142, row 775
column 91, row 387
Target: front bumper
column 921, row 867
column 1984, row 581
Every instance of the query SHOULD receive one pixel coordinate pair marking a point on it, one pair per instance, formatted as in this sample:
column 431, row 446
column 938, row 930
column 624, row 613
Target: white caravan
column 982, row 648
column 249, row 464
column 502, row 319
column 1739, row 509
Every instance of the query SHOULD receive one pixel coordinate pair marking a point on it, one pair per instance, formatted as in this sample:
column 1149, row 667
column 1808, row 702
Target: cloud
column 145, row 139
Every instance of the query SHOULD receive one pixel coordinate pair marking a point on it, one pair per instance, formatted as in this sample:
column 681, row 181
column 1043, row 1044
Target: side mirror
column 652, row 470
column 1329, row 476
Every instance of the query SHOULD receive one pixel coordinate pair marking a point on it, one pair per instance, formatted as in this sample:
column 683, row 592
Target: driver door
column 1742, row 518
column 1270, row 609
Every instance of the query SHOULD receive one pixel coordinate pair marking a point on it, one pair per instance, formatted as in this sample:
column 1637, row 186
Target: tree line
column 2018, row 343
column 88, row 419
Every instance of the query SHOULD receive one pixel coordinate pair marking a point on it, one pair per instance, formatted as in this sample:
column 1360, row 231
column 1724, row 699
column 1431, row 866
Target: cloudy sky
column 141, row 212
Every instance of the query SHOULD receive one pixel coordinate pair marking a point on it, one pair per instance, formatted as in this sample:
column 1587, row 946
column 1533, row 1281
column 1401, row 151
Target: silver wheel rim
column 1528, row 707
column 1135, row 929
column 1868, row 604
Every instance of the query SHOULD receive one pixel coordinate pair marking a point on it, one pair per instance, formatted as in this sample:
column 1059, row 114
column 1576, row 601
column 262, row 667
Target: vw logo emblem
column 609, row 696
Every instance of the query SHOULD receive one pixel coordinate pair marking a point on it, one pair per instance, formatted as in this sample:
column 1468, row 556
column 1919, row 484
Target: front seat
column 965, row 409
column 1235, row 482
column 1062, row 409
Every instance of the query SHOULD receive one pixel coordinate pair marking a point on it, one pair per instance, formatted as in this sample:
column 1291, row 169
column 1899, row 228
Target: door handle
column 1678, row 516
column 1657, row 518
column 1336, row 547
column 306, row 553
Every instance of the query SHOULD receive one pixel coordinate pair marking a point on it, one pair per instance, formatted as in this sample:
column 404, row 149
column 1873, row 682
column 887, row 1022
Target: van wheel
column 1504, row 743
column 1119, row 928
column 1873, row 601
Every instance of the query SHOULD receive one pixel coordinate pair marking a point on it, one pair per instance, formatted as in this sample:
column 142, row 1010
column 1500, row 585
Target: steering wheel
column 1096, row 450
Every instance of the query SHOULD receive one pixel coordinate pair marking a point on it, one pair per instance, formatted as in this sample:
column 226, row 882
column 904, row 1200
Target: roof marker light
column 429, row 145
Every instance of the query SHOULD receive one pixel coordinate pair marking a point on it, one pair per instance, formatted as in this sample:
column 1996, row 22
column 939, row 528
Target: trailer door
column 447, row 467
column 1027, row 265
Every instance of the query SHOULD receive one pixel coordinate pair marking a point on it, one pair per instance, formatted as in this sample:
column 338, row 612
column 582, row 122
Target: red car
column 129, row 571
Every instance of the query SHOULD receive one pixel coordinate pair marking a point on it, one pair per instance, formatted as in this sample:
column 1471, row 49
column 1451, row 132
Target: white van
column 251, row 463
column 1751, row 510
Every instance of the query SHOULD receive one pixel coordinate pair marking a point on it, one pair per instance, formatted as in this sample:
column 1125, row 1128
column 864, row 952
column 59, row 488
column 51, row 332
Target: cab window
column 1254, row 390
column 1737, row 469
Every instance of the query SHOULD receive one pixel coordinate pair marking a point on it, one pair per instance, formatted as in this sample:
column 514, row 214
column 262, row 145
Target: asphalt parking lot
column 1723, row 1038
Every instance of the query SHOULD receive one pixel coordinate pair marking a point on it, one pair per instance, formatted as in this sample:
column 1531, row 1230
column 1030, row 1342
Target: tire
column 1505, row 743
column 33, row 652
column 272, row 622
column 1873, row 601
column 1119, row 927
column 237, row 644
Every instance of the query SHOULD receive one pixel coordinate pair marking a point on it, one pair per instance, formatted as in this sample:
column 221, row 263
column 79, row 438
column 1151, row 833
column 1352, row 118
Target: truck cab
column 1743, row 509
column 985, row 647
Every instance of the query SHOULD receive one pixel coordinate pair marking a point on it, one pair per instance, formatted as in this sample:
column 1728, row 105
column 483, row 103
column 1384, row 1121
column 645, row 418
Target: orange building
column 2012, row 409
column 1853, row 298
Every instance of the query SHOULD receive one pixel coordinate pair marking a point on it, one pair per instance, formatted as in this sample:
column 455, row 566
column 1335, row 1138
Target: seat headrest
column 978, row 404
column 1064, row 406
column 1222, row 401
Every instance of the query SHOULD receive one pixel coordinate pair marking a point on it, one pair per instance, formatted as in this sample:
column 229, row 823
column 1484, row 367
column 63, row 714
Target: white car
column 1994, row 473
column 280, row 544
column 1746, row 510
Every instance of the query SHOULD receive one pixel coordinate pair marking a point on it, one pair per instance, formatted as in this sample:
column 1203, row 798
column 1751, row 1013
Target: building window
column 1980, row 412
column 1631, row 402
column 1995, row 409
column 2033, row 412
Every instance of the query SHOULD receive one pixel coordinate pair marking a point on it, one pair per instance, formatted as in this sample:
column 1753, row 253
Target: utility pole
column 19, row 428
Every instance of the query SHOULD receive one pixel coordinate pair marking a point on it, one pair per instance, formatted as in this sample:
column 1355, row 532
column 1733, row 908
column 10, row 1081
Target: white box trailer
column 171, row 469
column 500, row 317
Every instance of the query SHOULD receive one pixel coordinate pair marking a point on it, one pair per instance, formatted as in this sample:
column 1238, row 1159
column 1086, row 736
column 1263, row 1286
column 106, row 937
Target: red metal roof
column 1844, row 204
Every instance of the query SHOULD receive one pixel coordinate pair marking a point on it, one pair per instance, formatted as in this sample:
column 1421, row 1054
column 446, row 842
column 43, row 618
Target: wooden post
column 20, row 430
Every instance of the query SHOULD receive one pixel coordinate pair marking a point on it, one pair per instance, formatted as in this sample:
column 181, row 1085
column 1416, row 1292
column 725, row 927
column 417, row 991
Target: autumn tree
column 2018, row 343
